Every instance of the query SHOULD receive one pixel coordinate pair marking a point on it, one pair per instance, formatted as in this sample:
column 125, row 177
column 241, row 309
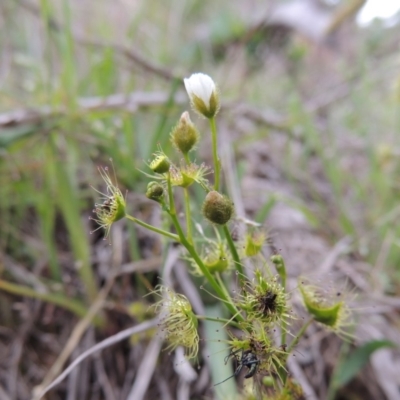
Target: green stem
column 221, row 284
column 222, row 320
column 299, row 335
column 217, row 164
column 192, row 251
column 153, row 228
column 172, row 209
column 235, row 255
column 281, row 370
column 220, row 292
column 284, row 331
column 188, row 216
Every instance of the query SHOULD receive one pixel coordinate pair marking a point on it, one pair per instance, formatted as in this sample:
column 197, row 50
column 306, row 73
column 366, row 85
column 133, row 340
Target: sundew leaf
column 353, row 364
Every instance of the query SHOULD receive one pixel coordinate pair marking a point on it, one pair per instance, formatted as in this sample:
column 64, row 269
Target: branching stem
column 153, row 228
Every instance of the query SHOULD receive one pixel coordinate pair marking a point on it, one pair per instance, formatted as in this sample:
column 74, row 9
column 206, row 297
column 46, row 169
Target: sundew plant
column 263, row 329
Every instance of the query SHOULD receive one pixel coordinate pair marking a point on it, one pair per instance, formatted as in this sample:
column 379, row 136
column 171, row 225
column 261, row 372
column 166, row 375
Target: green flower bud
column 185, row 135
column 155, row 191
column 254, row 243
column 217, row 208
column 160, row 164
column 280, row 266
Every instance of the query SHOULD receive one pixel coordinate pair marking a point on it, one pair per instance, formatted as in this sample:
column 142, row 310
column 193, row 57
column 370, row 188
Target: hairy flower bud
column 217, row 208
column 254, row 243
column 155, row 191
column 203, row 94
column 160, row 164
column 185, row 135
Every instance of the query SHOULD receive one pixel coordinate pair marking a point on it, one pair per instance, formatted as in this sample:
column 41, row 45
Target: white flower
column 203, row 94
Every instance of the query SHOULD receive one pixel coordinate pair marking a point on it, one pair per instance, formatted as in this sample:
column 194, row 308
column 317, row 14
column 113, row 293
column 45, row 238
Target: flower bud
column 185, row 135
column 253, row 243
column 160, row 164
column 203, row 94
column 217, row 208
column 280, row 266
column 155, row 191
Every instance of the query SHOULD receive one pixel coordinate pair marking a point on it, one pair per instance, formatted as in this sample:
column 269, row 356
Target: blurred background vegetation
column 304, row 85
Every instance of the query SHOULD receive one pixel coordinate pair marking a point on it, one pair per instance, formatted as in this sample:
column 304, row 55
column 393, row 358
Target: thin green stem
column 192, row 251
column 217, row 163
column 281, row 370
column 153, row 228
column 222, row 320
column 235, row 255
column 221, row 284
column 172, row 213
column 187, row 159
column 172, row 209
column 299, row 335
column 283, row 332
column 188, row 216
column 220, row 292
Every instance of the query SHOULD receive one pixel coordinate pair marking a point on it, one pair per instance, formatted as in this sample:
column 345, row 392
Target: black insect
column 247, row 359
column 268, row 303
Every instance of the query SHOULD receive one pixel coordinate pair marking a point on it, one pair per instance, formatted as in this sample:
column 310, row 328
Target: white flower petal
column 200, row 85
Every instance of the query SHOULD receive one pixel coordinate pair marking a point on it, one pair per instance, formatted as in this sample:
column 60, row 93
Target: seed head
column 217, row 208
